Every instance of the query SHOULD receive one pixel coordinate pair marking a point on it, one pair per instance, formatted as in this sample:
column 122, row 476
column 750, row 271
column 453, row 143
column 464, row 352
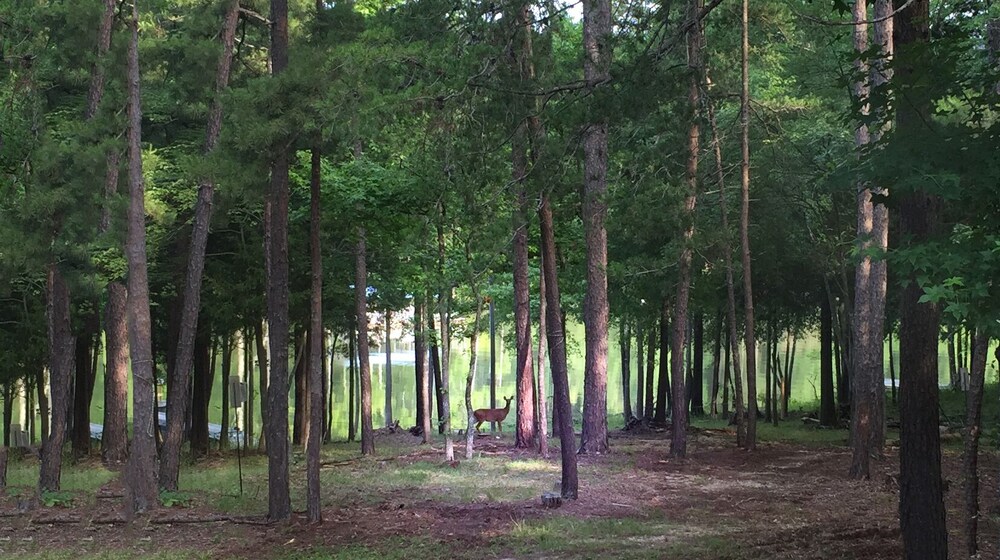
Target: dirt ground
column 782, row 501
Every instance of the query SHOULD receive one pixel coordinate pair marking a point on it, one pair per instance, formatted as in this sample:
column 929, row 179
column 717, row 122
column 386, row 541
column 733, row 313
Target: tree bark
column 749, row 335
column 276, row 427
column 200, row 395
column 716, row 356
column 81, row 403
column 444, row 313
column 361, row 318
column 263, row 367
column 435, row 367
column 470, row 430
column 424, row 385
column 698, row 365
column 315, row 383
column 352, row 376
column 651, row 368
column 177, row 400
column 227, row 371
column 140, row 474
column 299, row 413
column 596, row 71
column 557, row 353
column 640, row 358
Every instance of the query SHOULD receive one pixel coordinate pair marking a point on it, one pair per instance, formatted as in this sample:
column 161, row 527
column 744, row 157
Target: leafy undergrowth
column 788, row 500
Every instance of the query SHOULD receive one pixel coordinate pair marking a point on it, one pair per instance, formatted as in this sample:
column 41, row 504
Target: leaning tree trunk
column 140, row 474
column 749, row 335
column 596, row 71
column 276, row 429
column 921, row 493
column 470, row 430
column 361, row 320
column 315, row 383
column 973, row 424
column 557, row 352
column 177, row 400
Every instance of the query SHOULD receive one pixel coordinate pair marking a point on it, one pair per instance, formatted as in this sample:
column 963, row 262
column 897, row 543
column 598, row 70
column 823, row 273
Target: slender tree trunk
column 651, row 368
column 767, row 371
column 828, row 405
column 424, row 417
column 80, row 405
column 140, row 474
column 697, row 384
column 716, row 355
column 177, row 399
column 470, row 430
column 543, row 420
column 625, row 351
column 352, row 429
column 732, row 336
column 43, row 402
column 263, row 366
column 726, row 381
column 276, row 425
column 435, row 367
column 640, row 366
column 952, row 362
column 227, row 371
column 361, row 318
column 388, row 368
column 301, row 347
column 557, row 353
column 921, row 494
column 749, row 335
column 663, row 394
column 199, row 398
column 973, row 423
column 596, row 71
column 444, row 313
column 419, row 360
column 315, row 382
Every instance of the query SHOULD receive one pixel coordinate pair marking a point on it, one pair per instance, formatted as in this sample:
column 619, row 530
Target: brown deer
column 492, row 414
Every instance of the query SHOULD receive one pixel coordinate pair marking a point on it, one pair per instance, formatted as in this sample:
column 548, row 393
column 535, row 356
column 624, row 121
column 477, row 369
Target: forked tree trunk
column 557, row 353
column 140, row 474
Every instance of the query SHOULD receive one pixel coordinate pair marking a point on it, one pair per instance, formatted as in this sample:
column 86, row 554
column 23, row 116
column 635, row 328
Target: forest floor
column 789, row 499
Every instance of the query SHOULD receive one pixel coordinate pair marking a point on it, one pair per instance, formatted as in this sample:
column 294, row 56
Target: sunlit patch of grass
column 82, row 479
column 218, row 484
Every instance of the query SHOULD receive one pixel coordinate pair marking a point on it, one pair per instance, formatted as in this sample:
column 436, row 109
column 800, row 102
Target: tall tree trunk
column 732, row 336
column 177, row 399
column 524, row 435
column 625, row 351
column 921, row 494
column 596, row 72
column 140, row 474
column 973, row 423
column 749, row 335
column 892, row 366
column 663, row 393
column 361, row 318
column 543, row 420
column 424, row 385
column 388, row 368
column 952, row 363
column 279, row 503
column 435, row 367
column 444, row 313
column 315, row 382
column 557, row 352
column 726, row 381
column 768, row 362
column 60, row 369
column 679, row 416
column 263, row 367
column 43, row 402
